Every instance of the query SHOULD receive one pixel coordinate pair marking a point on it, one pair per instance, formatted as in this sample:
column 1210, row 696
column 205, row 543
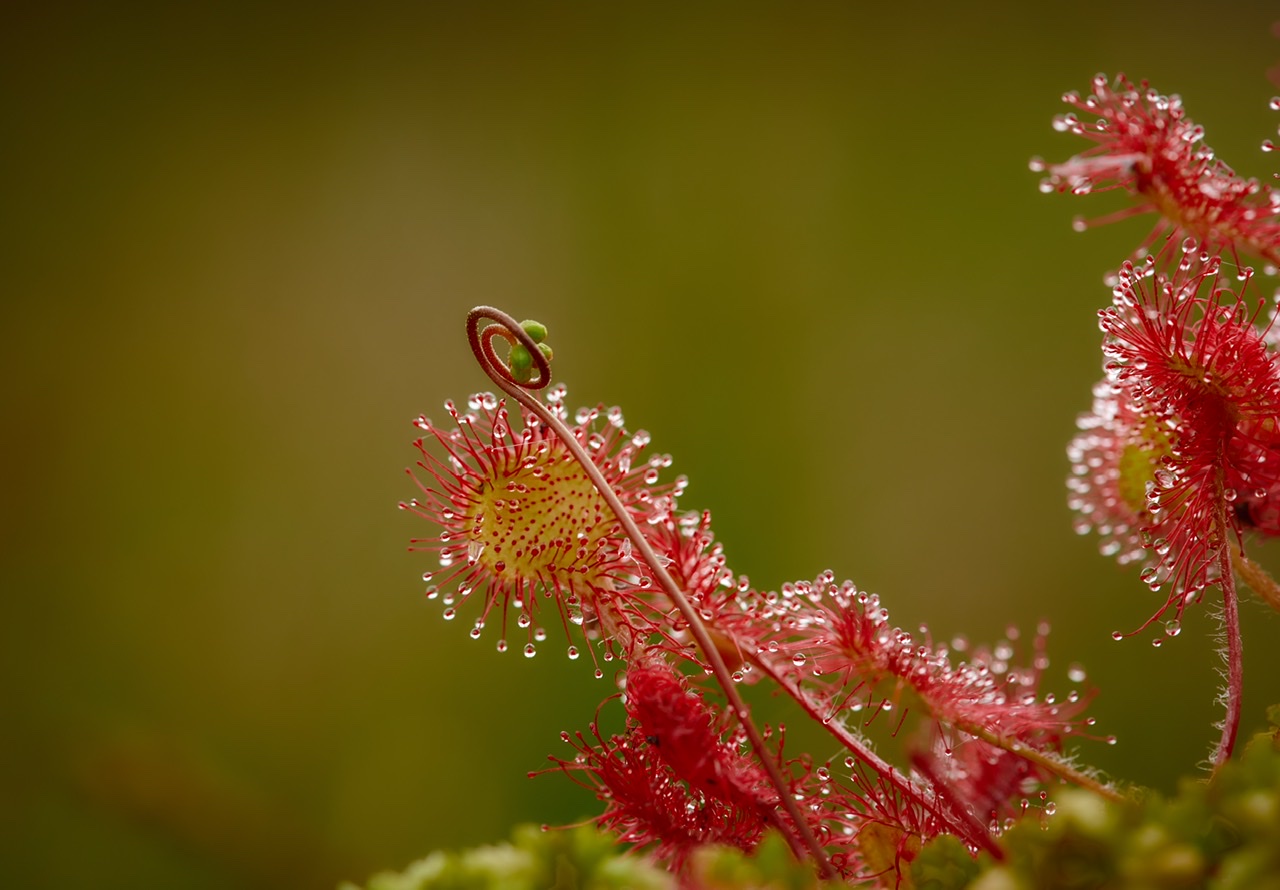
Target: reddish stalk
column 1064, row 771
column 1233, row 694
column 966, row 829
column 510, row 330
column 1256, row 577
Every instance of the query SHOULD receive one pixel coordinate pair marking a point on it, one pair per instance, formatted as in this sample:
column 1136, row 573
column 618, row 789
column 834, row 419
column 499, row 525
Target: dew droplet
column 530, row 650
column 1050, row 808
column 1076, row 673
column 502, row 645
column 450, row 614
column 573, row 653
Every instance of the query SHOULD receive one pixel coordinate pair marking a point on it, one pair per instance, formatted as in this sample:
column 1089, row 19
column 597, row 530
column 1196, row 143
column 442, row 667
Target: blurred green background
column 798, row 243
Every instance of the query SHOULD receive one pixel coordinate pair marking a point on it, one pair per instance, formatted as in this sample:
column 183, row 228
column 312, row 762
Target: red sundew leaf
column 686, row 734
column 1183, row 445
column 519, row 519
column 1145, row 144
column 647, row 806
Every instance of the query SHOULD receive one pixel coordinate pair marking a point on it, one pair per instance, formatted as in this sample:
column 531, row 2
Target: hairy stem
column 1064, row 771
column 1233, row 654
column 508, row 328
column 1256, row 577
column 965, row 828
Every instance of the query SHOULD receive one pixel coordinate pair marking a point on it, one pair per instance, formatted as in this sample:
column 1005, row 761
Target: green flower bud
column 520, row 360
column 521, row 363
column 535, row 329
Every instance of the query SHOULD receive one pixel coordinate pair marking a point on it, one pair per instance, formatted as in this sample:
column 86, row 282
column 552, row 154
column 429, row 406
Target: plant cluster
column 1222, row 834
column 543, row 518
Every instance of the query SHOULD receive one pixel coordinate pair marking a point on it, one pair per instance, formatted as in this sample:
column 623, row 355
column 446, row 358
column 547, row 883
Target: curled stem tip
column 529, row 362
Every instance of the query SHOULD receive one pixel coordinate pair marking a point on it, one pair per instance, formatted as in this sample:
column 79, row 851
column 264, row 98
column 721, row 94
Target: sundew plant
column 554, row 529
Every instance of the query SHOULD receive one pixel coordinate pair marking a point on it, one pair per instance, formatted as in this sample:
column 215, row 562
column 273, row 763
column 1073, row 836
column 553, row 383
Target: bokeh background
column 799, row 243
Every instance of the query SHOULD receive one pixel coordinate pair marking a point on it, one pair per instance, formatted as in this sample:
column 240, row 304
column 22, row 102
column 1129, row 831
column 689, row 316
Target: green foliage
column 573, row 859
column 1220, row 834
column 770, row 867
column 584, row 859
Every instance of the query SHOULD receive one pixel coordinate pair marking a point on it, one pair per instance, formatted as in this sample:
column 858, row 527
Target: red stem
column 482, row 345
column 967, row 830
column 1234, row 655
